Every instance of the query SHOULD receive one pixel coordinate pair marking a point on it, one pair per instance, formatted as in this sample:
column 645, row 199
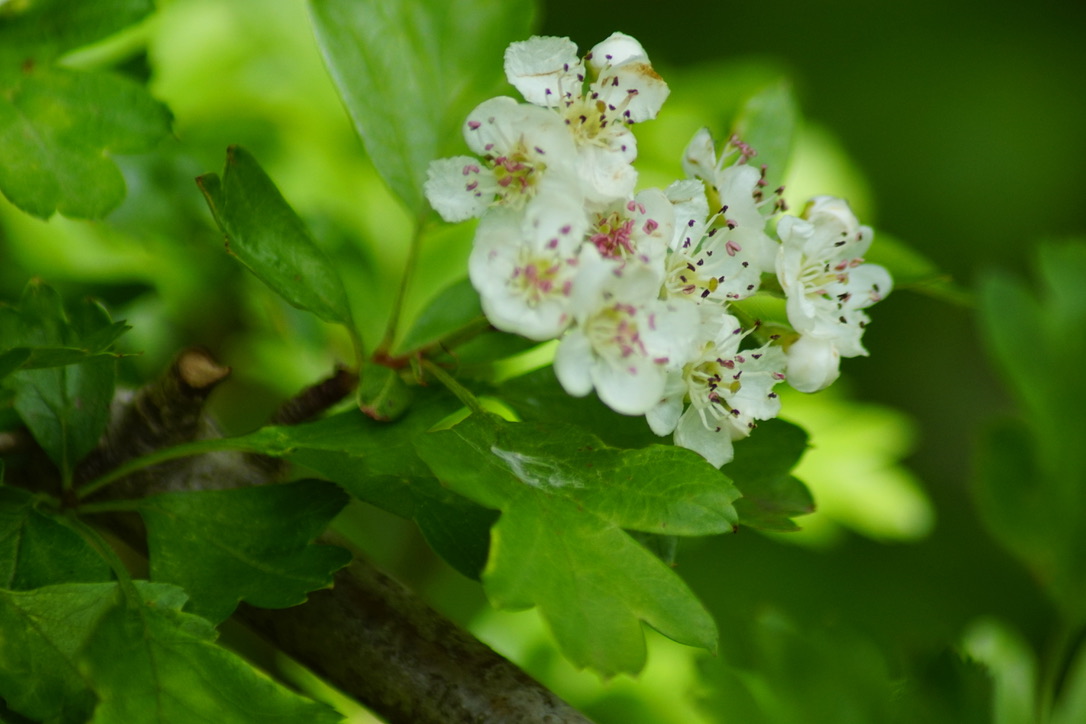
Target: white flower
column 625, row 80
column 821, row 270
column 524, row 265
column 625, row 339
column 737, row 192
column 727, row 388
column 524, row 149
column 635, row 231
column 547, row 72
column 706, row 261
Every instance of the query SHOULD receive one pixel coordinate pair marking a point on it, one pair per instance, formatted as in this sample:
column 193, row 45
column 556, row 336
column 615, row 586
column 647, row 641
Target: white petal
column 714, row 445
column 544, row 69
column 631, row 387
column 632, row 89
column 607, row 171
column 573, row 362
column 699, row 157
column 813, row 364
column 618, row 48
column 459, row 188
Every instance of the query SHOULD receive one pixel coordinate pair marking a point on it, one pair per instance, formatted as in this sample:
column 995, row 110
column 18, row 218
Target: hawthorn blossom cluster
column 643, row 288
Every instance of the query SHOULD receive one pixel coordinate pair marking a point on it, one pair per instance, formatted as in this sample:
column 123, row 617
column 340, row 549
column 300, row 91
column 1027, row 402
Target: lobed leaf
column 410, row 71
column 58, row 128
column 38, row 549
column 268, row 237
column 377, row 463
column 565, row 499
column 1031, row 475
column 246, row 544
column 761, row 470
column 42, row 30
column 76, row 648
column 537, row 396
column 65, row 408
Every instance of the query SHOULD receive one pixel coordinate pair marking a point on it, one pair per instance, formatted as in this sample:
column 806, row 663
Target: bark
column 369, row 636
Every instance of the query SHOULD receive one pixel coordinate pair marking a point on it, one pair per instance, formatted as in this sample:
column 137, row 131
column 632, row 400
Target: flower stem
column 158, row 456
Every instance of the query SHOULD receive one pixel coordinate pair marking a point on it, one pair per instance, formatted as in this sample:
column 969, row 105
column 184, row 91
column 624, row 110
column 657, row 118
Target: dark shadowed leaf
column 38, row 549
column 247, row 544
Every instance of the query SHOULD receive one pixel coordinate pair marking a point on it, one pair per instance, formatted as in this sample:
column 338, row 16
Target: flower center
column 614, row 333
column 612, row 236
column 537, row 278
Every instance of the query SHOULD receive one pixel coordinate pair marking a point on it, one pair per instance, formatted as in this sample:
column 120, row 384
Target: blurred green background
column 955, row 127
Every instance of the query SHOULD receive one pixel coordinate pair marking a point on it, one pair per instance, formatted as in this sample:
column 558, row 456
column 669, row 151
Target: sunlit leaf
column 58, row 128
column 410, row 71
column 269, row 238
column 559, row 544
column 43, row 29
column 767, row 122
column 246, row 544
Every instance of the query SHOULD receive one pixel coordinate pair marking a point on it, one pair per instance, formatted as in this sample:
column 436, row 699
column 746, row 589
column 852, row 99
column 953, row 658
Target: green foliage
column 767, row 122
column 1031, row 484
column 565, row 499
column 37, row 548
column 253, row 544
column 265, row 234
column 129, row 656
column 57, row 125
column 761, row 471
column 410, row 71
column 377, row 463
column 65, row 407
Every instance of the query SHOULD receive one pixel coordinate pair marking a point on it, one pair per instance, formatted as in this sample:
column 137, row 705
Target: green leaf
column 140, row 657
column 65, row 408
column 58, row 128
column 43, row 29
column 912, row 270
column 767, row 122
column 246, row 544
column 410, row 71
column 537, row 396
column 1012, row 666
column 377, row 463
column 90, row 334
column 454, row 308
column 12, row 360
column 565, row 498
column 1031, row 476
column 43, row 631
column 269, row 238
column 38, row 549
column 771, row 496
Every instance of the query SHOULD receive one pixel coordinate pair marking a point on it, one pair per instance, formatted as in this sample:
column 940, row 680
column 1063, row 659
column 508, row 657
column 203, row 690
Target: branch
column 368, row 636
